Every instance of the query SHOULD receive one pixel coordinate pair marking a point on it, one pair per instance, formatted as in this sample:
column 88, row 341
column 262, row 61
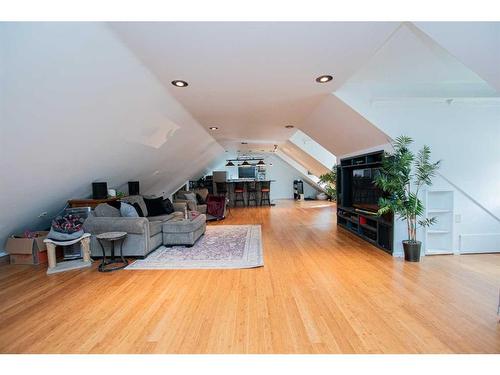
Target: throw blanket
column 215, row 206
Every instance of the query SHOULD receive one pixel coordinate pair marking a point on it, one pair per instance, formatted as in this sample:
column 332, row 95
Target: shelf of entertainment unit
column 368, row 227
column 355, row 206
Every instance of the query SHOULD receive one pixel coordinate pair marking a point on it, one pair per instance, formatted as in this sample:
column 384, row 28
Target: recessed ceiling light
column 179, row 83
column 213, row 128
column 289, row 126
column 324, row 79
column 244, row 143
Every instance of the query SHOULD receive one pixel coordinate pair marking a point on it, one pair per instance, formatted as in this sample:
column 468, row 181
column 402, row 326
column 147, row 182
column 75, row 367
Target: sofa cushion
column 138, row 209
column 127, row 210
column 161, row 217
column 168, row 206
column 190, row 197
column 199, row 199
column 155, row 206
column 139, row 200
column 105, row 210
column 154, row 227
column 184, row 225
column 203, row 192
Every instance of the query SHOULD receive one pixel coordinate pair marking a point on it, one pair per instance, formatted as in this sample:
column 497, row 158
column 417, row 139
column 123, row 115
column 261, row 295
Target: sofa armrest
column 179, row 206
column 98, row 225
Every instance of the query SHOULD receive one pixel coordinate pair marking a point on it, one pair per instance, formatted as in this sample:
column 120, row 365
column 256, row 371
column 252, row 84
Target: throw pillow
column 115, row 204
column 199, row 199
column 138, row 209
column 127, row 210
column 168, row 206
column 105, row 210
column 155, row 206
column 190, row 197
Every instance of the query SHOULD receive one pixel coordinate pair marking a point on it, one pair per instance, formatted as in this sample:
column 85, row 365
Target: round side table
column 112, row 237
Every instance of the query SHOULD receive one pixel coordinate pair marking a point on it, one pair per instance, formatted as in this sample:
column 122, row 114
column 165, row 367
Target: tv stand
column 366, row 224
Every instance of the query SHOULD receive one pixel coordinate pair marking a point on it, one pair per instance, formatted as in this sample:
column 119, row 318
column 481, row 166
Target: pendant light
column 245, row 164
column 230, row 164
column 261, row 162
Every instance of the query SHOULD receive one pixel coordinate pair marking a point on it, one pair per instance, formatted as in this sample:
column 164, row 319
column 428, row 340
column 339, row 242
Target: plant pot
column 412, row 251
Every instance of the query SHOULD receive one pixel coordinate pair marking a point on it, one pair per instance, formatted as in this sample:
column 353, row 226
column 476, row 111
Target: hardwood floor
column 322, row 290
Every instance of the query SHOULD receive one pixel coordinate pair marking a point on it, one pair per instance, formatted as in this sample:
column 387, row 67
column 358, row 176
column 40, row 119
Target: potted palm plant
column 329, row 182
column 402, row 176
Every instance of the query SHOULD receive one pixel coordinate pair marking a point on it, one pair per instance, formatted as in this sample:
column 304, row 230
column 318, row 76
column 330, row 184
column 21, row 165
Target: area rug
column 222, row 247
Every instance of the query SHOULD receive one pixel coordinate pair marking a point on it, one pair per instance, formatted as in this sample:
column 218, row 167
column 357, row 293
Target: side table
column 112, row 237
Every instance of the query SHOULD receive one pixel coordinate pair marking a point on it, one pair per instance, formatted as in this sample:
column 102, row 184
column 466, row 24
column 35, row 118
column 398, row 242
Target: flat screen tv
column 365, row 194
column 246, row 172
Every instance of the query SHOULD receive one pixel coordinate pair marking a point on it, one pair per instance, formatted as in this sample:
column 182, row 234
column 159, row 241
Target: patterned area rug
column 222, row 246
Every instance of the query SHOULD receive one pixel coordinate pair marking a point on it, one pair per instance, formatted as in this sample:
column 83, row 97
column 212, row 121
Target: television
column 365, row 194
column 246, row 172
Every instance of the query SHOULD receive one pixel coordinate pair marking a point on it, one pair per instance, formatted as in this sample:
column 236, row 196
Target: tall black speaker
column 99, row 190
column 133, row 188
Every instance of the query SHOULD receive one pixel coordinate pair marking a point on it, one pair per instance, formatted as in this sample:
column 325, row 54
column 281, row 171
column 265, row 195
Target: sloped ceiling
column 304, row 159
column 475, row 44
column 77, row 107
column 340, row 129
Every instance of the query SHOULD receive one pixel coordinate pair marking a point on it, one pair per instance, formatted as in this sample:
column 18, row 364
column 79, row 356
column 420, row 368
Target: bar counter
column 230, row 191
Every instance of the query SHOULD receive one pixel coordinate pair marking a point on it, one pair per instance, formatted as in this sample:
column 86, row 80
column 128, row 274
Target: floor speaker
column 133, row 188
column 99, row 190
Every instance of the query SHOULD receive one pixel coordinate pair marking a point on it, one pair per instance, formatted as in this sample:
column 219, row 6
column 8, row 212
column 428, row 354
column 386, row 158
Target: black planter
column 412, row 251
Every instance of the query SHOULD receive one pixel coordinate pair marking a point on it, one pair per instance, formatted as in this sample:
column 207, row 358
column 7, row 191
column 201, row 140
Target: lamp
column 230, row 164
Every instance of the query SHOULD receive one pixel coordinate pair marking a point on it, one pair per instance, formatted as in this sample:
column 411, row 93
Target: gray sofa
column 144, row 233
column 179, row 197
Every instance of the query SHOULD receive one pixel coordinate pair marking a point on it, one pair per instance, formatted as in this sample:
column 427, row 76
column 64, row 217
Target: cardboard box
column 24, row 250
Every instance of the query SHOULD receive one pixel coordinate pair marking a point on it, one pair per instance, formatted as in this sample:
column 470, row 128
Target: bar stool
column 251, row 192
column 239, row 190
column 265, row 189
column 221, row 189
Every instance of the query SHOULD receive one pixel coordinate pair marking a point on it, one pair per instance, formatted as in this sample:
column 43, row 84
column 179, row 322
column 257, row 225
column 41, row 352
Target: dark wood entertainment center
column 365, row 223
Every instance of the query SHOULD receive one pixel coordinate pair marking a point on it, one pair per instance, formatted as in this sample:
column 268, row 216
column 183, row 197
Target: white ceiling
column 411, row 64
column 252, row 78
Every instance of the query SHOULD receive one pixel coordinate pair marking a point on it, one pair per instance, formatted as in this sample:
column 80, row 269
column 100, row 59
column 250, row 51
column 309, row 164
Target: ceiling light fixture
column 324, row 79
column 213, row 128
column 245, row 164
column 261, row 162
column 289, row 126
column 244, row 143
column 179, row 83
column 230, row 164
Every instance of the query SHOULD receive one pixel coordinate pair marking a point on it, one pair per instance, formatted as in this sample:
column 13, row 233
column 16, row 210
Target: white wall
column 465, row 136
column 281, row 172
column 76, row 106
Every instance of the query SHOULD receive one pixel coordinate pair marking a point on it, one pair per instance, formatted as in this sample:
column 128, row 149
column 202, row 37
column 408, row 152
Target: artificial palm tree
column 403, row 175
column 329, row 181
